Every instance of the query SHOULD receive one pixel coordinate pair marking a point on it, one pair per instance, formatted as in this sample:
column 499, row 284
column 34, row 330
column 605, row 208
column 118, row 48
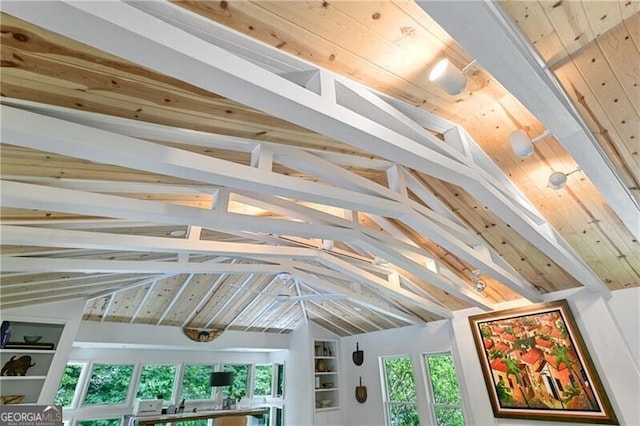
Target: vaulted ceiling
column 255, row 165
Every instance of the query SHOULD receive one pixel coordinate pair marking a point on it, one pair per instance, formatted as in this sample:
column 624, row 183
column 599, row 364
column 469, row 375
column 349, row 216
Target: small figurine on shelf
column 5, row 333
column 17, row 367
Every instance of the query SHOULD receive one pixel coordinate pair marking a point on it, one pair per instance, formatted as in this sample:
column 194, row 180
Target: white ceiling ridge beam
column 49, row 134
column 456, row 288
column 359, row 298
column 30, row 303
column 478, row 258
column 377, row 284
column 152, row 131
column 309, row 79
column 27, row 236
column 27, row 264
column 248, row 84
column 21, row 195
column 319, row 270
column 512, row 60
column 105, row 186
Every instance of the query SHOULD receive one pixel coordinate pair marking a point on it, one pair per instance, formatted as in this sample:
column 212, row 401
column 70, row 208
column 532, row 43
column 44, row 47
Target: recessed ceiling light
column 178, row 233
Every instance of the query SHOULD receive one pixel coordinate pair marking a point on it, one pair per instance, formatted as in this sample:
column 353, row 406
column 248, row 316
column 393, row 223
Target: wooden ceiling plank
column 175, row 298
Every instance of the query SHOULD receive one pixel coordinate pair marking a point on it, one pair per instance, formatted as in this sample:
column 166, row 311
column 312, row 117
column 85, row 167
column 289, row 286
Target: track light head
column 520, row 144
column 448, row 77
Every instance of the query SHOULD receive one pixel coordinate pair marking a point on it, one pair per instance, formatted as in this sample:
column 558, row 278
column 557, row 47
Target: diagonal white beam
column 27, row 236
column 26, row 129
column 28, row 196
column 28, row 264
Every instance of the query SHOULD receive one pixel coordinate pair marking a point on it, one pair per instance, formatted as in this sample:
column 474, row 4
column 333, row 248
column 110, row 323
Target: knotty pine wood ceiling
column 389, row 46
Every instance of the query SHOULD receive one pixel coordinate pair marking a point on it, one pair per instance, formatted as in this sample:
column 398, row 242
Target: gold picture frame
column 537, row 367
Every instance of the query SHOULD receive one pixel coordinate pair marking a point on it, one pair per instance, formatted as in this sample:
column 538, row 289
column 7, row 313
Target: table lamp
column 218, row 380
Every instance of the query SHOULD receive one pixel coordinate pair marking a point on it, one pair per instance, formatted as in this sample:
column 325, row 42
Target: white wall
column 413, row 341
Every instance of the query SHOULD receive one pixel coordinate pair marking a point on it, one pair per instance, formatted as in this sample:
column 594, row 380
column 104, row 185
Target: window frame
column 131, row 391
column 385, row 389
column 431, row 400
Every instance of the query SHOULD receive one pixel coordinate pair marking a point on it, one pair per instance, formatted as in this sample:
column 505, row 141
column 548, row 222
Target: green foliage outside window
column 108, row 384
column 103, row 422
column 195, row 382
column 264, row 377
column 240, row 385
column 445, row 390
column 68, row 383
column 401, row 392
column 156, row 380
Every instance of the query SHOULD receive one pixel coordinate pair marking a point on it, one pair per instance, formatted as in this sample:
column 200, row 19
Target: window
column 68, row 385
column 109, row 384
column 195, row 382
column 240, row 385
column 447, row 402
column 263, row 379
column 400, row 397
column 280, row 380
column 156, row 381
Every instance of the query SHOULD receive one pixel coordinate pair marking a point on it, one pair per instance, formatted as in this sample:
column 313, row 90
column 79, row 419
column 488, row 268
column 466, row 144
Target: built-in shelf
column 326, row 375
column 30, row 380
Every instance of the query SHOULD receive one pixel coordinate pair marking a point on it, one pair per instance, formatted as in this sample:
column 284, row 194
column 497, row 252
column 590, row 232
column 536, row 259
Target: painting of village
column 532, row 365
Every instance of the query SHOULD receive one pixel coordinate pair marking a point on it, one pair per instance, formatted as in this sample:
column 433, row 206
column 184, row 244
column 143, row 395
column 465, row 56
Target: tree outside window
column 401, row 400
column 263, row 380
column 447, row 402
column 240, row 385
column 102, row 422
column 109, row 384
column 156, row 380
column 68, row 385
column 195, row 382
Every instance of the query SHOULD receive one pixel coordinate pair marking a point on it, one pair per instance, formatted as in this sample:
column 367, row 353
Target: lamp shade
column 520, row 144
column 221, row 378
column 448, row 77
column 557, row 180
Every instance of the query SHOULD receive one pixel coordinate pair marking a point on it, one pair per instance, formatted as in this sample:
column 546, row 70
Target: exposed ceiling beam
column 519, row 68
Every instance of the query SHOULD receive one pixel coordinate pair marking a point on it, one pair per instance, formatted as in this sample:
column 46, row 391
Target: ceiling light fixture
column 557, row 180
column 449, row 77
column 522, row 145
column 478, row 284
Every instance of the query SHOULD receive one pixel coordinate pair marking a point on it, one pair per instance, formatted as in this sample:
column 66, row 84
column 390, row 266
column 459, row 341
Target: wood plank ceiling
column 253, row 165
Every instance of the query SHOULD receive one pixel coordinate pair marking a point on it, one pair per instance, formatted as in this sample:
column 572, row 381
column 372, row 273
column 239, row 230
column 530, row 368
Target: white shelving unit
column 30, row 385
column 326, row 375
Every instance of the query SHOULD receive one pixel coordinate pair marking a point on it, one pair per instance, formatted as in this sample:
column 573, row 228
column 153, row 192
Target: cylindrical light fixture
column 448, row 77
column 520, row 144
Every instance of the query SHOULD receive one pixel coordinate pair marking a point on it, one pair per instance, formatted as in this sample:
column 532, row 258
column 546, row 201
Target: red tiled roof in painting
column 544, row 343
column 530, row 357
column 488, row 344
column 497, row 364
column 509, row 337
column 502, row 347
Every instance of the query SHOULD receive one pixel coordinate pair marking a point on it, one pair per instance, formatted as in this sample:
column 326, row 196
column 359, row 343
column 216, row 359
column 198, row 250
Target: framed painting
column 536, row 366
